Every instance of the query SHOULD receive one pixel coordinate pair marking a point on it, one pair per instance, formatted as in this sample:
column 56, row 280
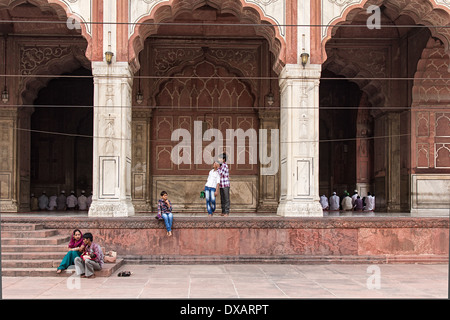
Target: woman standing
column 211, row 188
column 165, row 211
column 76, row 246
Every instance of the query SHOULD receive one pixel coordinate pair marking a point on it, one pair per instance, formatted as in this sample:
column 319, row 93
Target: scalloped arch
column 63, row 12
column 246, row 12
column 425, row 12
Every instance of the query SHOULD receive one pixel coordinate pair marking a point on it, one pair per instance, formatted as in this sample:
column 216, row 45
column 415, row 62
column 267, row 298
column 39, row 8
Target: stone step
column 32, row 255
column 21, row 227
column 29, row 250
column 37, row 263
column 53, row 240
column 29, row 234
column 108, row 270
column 35, row 248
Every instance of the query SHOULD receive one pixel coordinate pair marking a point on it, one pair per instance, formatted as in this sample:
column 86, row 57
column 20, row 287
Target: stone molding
column 149, row 222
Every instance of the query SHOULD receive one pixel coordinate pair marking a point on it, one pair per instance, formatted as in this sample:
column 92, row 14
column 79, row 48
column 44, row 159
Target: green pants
column 68, row 259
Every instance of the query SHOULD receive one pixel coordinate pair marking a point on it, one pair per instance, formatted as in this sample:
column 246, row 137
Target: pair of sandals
column 124, row 274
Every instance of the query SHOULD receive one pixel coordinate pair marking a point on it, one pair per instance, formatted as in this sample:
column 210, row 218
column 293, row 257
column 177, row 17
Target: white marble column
column 112, row 140
column 299, row 141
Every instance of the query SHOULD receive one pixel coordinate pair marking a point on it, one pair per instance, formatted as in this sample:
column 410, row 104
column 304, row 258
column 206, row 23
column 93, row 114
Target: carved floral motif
column 32, row 57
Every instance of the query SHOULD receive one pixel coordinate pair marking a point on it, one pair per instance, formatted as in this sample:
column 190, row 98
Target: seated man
column 91, row 258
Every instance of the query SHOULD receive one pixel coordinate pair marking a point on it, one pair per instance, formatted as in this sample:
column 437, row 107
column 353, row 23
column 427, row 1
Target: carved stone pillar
column 8, row 154
column 299, row 141
column 269, row 177
column 112, row 140
column 140, row 186
column 393, row 161
column 364, row 154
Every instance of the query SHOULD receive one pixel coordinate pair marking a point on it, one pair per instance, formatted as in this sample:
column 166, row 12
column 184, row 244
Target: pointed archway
column 216, row 76
column 35, row 53
column 383, row 62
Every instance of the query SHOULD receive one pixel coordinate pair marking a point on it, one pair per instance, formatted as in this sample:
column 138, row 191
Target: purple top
column 163, row 207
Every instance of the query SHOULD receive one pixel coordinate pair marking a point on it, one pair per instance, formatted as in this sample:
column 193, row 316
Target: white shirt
column 71, row 201
column 213, row 179
column 324, row 202
column 43, row 202
column 82, row 202
column 52, row 203
column 354, row 197
column 347, row 203
column 370, row 203
column 334, row 202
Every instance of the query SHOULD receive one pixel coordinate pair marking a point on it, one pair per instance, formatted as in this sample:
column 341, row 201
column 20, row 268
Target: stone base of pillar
column 9, row 206
column 295, row 208
column 103, row 208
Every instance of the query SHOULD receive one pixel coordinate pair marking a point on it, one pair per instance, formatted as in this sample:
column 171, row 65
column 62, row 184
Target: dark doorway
column 339, row 101
column 61, row 137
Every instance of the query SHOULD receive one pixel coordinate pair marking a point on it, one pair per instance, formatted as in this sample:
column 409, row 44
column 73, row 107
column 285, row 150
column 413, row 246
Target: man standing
column 91, row 259
column 224, row 185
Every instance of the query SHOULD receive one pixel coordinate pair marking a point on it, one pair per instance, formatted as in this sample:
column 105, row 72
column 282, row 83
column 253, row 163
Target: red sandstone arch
column 423, row 12
column 68, row 62
column 246, row 12
column 62, row 11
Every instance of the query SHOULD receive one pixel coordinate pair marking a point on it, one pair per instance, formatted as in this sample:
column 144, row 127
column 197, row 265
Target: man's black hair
column 88, row 235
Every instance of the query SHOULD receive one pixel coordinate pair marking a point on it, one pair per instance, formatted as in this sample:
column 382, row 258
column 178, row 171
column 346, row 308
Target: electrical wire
column 75, row 135
column 203, row 109
column 224, row 78
column 210, row 24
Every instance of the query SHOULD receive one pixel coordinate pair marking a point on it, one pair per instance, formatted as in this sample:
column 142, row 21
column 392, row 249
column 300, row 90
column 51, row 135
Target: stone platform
column 261, row 239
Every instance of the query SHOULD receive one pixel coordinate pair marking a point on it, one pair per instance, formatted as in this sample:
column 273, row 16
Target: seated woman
column 76, row 246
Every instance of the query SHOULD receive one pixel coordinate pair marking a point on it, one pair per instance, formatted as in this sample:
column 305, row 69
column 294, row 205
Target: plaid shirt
column 95, row 248
column 224, row 175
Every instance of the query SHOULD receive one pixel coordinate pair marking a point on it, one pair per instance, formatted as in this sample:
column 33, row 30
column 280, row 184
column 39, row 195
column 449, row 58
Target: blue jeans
column 210, row 199
column 168, row 219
